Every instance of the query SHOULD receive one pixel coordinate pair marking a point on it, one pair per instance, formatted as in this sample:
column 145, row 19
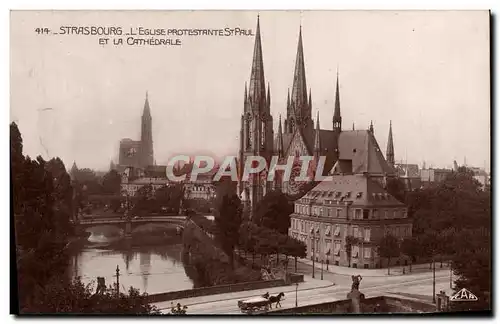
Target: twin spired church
column 350, row 151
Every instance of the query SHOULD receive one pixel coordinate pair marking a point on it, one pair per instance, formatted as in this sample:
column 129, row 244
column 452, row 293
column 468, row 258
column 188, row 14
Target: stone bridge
column 129, row 225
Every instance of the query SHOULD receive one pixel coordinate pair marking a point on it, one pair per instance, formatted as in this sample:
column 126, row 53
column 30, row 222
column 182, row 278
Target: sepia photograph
column 250, row 162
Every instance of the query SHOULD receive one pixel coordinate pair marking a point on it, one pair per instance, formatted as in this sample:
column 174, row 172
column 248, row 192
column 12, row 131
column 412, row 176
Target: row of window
column 337, row 248
column 357, row 213
column 314, row 228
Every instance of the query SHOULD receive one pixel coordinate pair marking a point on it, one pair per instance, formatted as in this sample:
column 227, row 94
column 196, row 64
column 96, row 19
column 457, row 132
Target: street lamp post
column 433, row 281
column 117, row 281
column 451, row 274
column 313, row 259
column 296, row 292
column 321, row 269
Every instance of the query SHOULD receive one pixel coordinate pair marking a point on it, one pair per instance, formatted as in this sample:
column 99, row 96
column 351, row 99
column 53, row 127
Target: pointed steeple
column 257, row 91
column 310, row 100
column 280, row 147
column 146, row 112
column 317, row 143
column 299, row 89
column 146, row 148
column 337, row 118
column 73, row 171
column 246, row 94
column 268, row 100
column 390, row 147
column 371, row 127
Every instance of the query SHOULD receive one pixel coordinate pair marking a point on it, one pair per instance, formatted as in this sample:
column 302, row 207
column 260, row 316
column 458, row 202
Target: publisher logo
column 463, row 295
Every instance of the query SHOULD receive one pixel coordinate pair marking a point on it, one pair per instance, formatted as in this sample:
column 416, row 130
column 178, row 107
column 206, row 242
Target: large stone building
column 298, row 136
column 350, row 205
column 138, row 154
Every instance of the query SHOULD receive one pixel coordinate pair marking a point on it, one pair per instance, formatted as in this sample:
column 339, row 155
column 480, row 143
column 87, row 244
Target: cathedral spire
column 299, row 89
column 390, row 147
column 257, row 91
column 246, row 94
column 337, row 118
column 146, row 147
column 280, row 148
column 317, row 142
column 268, row 100
column 146, row 111
column 371, row 127
column 310, row 100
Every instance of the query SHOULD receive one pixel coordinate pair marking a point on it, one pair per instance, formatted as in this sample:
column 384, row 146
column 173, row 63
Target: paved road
column 371, row 287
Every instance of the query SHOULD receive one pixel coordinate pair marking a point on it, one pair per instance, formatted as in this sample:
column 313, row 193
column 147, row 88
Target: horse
column 276, row 299
column 266, row 295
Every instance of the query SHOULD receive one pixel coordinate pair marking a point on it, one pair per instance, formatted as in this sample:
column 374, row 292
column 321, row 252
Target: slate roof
column 360, row 146
column 358, row 188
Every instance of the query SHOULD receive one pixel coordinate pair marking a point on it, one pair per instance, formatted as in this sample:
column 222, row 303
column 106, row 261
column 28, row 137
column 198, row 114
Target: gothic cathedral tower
column 299, row 108
column 337, row 122
column 256, row 134
column 146, row 148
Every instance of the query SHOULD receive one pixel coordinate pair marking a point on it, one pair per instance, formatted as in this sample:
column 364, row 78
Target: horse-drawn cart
column 254, row 305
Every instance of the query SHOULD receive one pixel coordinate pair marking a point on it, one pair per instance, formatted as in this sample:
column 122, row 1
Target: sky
column 426, row 71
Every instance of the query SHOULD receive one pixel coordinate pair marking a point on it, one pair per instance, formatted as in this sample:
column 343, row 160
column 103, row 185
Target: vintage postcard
column 250, row 162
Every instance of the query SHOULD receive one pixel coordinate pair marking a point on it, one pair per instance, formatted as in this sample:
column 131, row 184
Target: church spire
column 317, row 142
column 246, row 94
column 390, row 147
column 146, row 111
column 280, row 148
column 268, row 100
column 310, row 100
column 299, row 89
column 146, row 147
column 337, row 118
column 73, row 171
column 257, row 91
column 371, row 127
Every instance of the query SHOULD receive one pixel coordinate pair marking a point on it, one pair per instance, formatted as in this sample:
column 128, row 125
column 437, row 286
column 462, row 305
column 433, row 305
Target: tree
column 472, row 265
column 228, row 221
column 296, row 249
column 41, row 201
column 111, row 182
column 76, row 298
column 144, row 200
column 411, row 248
column 273, row 212
column 388, row 247
column 349, row 242
column 396, row 188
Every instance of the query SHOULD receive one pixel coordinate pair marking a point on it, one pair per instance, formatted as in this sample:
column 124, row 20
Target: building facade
column 350, row 205
column 298, row 136
column 138, row 154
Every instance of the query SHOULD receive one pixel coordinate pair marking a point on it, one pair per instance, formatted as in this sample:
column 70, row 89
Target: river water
column 152, row 269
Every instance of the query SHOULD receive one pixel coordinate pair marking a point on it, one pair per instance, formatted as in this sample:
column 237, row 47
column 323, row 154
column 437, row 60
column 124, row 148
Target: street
column 321, row 291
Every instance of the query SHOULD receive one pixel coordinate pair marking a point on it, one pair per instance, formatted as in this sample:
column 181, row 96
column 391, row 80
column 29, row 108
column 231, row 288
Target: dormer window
column 337, row 194
column 348, row 194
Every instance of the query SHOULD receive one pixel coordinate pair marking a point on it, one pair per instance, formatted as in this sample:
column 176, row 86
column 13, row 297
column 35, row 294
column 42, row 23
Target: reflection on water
column 152, row 270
